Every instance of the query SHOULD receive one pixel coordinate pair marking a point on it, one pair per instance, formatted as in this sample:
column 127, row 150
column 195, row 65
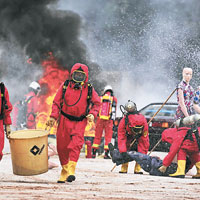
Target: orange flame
column 54, row 75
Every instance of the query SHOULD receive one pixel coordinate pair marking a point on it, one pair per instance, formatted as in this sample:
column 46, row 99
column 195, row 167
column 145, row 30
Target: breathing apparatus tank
column 188, row 120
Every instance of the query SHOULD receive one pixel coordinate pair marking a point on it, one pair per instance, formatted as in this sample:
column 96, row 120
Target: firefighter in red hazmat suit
column 76, row 102
column 132, row 135
column 184, row 142
column 25, row 111
column 32, row 106
column 105, row 121
column 5, row 119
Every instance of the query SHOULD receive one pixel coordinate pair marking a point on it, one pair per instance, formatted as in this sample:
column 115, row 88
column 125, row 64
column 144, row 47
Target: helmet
column 108, row 87
column 35, row 85
column 130, row 106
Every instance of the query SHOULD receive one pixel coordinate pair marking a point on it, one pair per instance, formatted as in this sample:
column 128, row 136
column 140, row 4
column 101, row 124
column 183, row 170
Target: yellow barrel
column 29, row 151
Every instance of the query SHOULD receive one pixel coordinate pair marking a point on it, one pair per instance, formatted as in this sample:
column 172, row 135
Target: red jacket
column 72, row 96
column 70, row 134
column 32, row 109
column 143, row 141
column 176, row 137
column 6, row 112
column 6, row 120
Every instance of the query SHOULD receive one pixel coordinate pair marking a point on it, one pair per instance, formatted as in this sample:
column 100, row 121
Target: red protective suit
column 124, row 141
column 32, row 109
column 106, row 125
column 178, row 145
column 6, row 119
column 70, row 134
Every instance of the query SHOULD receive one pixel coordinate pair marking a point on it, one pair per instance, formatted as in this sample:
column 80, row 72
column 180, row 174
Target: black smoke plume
column 39, row 30
column 31, row 29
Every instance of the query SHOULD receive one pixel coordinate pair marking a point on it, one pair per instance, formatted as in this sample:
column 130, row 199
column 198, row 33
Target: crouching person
column 71, row 106
column 184, row 142
column 132, row 135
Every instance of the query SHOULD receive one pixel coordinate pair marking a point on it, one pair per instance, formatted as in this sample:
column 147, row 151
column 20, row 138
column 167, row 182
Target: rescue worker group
column 77, row 105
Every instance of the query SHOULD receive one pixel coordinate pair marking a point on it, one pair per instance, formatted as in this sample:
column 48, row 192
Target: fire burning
column 54, row 76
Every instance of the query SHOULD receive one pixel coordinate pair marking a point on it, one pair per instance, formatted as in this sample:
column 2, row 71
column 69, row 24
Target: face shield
column 78, row 76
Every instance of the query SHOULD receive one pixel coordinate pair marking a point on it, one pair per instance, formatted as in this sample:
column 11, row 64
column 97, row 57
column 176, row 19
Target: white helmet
column 107, row 87
column 35, row 85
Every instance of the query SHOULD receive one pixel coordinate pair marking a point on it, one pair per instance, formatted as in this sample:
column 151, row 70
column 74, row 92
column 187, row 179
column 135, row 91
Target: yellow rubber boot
column 71, row 171
column 64, row 174
column 137, row 169
column 124, row 168
column 197, row 176
column 180, row 172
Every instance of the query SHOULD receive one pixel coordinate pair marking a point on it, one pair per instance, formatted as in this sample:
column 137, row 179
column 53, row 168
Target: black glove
column 125, row 156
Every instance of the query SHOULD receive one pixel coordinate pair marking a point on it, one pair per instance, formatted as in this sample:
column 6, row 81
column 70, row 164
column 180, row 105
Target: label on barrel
column 36, row 150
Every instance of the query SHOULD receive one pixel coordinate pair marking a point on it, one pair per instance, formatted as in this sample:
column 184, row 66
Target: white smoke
column 17, row 73
column 145, row 82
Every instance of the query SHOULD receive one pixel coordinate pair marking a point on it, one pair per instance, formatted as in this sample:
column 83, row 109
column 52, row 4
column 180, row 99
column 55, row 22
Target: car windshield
column 167, row 110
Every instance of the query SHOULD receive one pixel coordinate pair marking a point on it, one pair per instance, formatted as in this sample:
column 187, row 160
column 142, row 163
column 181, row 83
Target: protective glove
column 7, row 130
column 50, row 122
column 90, row 117
column 125, row 156
column 162, row 169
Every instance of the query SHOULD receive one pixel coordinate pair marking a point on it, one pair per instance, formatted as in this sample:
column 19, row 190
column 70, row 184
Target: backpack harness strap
column 73, row 118
column 89, row 96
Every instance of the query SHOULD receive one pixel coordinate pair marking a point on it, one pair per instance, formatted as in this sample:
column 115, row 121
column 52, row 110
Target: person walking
column 76, row 102
column 105, row 121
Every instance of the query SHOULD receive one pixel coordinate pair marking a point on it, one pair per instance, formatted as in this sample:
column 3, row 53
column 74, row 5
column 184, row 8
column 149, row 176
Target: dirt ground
column 94, row 180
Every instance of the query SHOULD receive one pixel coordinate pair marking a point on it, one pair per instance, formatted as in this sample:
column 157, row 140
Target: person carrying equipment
column 105, row 121
column 133, row 129
column 76, row 102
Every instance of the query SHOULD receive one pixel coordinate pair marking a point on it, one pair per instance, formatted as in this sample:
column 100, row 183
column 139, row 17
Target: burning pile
column 54, row 75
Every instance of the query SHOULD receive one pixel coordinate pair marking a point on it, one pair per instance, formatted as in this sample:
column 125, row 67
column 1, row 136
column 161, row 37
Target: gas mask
column 137, row 129
column 78, row 77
